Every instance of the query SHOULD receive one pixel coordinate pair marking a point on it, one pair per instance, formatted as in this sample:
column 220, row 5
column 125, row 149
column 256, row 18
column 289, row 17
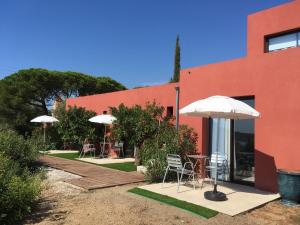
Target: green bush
column 18, row 191
column 167, row 141
column 74, row 126
column 136, row 124
column 17, row 148
column 53, row 139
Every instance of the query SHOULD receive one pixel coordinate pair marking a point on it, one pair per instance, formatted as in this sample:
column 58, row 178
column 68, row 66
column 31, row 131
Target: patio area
column 241, row 198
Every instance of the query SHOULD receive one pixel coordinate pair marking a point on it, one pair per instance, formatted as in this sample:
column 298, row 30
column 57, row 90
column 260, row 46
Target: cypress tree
column 176, row 74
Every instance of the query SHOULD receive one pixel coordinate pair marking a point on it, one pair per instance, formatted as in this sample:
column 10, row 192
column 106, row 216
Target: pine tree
column 176, row 75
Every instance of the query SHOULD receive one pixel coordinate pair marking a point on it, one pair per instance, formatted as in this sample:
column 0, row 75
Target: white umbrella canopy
column 219, row 107
column 104, row 119
column 44, row 119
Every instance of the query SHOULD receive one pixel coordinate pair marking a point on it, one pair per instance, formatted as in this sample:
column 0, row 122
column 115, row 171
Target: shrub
column 18, row 149
column 18, row 191
column 74, row 127
column 53, row 140
column 135, row 124
column 167, row 141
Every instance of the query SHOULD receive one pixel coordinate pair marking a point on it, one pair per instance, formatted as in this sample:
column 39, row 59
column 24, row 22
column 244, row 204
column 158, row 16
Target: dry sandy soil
column 66, row 204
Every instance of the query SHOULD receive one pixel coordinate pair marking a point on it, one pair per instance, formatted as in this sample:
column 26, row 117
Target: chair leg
column 101, row 152
column 179, row 182
column 165, row 176
column 194, row 181
column 203, row 179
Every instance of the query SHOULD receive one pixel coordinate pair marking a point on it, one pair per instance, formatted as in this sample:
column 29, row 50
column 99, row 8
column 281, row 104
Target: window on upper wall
column 284, row 41
column 169, row 111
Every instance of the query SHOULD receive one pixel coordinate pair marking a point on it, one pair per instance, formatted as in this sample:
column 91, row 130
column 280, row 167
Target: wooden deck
column 93, row 176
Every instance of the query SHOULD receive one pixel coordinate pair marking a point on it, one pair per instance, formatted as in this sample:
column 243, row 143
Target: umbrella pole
column 44, row 125
column 217, row 154
column 104, row 140
column 215, row 195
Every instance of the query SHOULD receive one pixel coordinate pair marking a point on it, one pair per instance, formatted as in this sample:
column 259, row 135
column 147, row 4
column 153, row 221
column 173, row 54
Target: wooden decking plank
column 92, row 176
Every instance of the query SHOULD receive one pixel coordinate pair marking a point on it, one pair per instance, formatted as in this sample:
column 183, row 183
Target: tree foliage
column 74, row 127
column 136, row 124
column 29, row 93
column 176, row 74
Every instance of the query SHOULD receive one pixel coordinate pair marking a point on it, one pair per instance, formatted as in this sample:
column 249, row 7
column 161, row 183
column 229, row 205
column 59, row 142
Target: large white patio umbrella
column 105, row 119
column 219, row 107
column 44, row 119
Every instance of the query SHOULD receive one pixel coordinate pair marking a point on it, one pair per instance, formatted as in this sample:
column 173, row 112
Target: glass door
column 243, row 149
column 224, row 142
column 236, row 145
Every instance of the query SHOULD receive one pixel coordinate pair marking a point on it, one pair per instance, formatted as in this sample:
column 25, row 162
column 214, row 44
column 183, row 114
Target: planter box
column 289, row 185
column 141, row 169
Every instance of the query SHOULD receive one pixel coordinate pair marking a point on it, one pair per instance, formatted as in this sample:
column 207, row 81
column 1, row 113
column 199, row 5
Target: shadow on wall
column 265, row 172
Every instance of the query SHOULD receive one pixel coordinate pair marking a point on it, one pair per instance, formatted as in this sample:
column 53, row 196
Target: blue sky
column 131, row 41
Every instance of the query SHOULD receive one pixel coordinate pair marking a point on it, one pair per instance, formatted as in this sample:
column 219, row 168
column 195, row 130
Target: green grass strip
column 71, row 155
column 126, row 166
column 199, row 210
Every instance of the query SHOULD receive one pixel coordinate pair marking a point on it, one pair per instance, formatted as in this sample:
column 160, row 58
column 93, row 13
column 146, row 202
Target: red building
column 268, row 78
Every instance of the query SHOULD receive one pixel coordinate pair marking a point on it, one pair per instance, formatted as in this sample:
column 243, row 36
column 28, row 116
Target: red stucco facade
column 272, row 78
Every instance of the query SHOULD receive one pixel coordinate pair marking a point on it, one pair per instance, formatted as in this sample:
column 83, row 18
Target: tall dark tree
column 29, row 93
column 176, row 74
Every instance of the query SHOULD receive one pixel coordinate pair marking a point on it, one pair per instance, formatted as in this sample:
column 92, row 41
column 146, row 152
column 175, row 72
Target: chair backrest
column 221, row 159
column 119, row 144
column 87, row 147
column 174, row 161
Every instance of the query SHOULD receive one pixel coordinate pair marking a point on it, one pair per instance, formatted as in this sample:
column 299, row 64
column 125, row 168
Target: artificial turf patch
column 69, row 155
column 199, row 210
column 126, row 166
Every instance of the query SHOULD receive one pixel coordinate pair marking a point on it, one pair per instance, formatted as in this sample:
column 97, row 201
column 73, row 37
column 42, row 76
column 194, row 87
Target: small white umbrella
column 44, row 119
column 105, row 119
column 219, row 107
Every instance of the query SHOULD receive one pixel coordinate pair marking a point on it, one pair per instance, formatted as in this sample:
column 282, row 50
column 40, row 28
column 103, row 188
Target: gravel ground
column 67, row 204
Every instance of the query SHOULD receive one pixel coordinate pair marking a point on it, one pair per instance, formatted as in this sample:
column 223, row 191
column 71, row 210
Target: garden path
column 92, row 176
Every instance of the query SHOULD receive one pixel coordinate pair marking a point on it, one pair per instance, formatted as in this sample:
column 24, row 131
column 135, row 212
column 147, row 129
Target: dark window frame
column 170, row 109
column 268, row 37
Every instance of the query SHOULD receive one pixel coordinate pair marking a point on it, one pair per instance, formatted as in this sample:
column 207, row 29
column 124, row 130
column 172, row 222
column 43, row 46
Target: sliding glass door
column 224, row 141
column 243, row 155
column 236, row 144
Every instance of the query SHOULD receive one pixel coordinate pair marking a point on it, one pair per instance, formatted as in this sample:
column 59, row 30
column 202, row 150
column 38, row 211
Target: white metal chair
column 87, row 148
column 222, row 166
column 175, row 165
column 119, row 147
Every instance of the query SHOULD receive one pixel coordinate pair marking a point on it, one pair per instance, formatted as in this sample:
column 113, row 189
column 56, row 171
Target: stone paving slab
column 93, row 176
column 241, row 198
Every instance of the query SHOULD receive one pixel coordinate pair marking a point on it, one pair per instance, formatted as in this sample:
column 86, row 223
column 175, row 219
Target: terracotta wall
column 164, row 95
column 273, row 78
